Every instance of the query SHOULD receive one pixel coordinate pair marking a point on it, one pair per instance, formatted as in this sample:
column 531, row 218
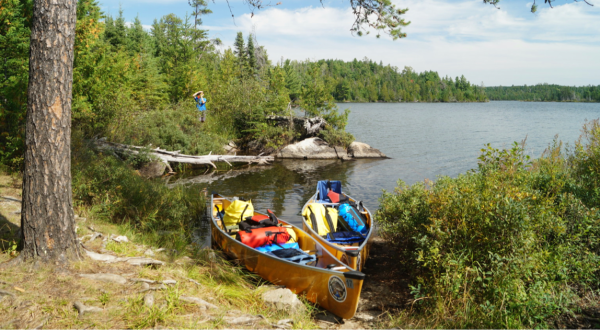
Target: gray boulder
column 311, row 148
column 231, row 148
column 363, row 150
column 283, row 299
column 153, row 169
column 200, row 302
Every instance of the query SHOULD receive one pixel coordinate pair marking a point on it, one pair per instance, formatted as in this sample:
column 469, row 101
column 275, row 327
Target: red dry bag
column 263, row 236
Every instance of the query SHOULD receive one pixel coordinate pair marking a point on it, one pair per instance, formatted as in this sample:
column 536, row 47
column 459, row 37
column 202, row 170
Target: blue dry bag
column 273, row 247
column 353, row 218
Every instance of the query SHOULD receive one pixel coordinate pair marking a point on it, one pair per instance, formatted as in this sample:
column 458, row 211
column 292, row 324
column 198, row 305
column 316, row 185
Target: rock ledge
column 316, row 148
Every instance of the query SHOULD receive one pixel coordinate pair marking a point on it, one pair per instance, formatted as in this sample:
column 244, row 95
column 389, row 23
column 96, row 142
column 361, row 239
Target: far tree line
column 544, row 93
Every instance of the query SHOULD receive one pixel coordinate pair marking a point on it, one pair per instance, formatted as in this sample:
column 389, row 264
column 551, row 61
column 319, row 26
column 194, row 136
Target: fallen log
column 175, row 157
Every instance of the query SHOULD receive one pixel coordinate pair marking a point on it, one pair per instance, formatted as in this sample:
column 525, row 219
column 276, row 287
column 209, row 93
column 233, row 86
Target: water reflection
column 283, row 187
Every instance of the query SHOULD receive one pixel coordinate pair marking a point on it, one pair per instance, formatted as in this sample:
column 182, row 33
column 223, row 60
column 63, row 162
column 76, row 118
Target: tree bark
column 47, row 219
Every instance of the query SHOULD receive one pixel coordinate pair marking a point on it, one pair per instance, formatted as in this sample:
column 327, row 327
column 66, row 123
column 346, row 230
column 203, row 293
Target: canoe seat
column 294, row 255
column 345, row 237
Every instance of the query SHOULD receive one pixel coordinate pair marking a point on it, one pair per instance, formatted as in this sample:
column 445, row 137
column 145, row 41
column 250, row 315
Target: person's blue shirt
column 200, row 103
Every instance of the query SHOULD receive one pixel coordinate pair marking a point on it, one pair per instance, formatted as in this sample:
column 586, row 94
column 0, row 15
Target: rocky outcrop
column 363, row 150
column 311, row 148
column 316, row 148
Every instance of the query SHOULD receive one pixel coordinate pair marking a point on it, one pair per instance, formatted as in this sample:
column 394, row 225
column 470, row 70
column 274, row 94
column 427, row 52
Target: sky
column 506, row 46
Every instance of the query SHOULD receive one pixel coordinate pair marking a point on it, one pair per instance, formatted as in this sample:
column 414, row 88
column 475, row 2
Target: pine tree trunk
column 47, row 220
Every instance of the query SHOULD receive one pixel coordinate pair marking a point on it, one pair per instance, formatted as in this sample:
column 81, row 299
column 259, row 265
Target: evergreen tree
column 116, row 30
column 200, row 8
column 317, row 100
column 292, row 81
column 138, row 40
column 251, row 55
column 176, row 49
column 240, row 52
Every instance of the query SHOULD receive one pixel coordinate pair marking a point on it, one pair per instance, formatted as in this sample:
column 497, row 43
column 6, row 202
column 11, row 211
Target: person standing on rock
column 200, row 104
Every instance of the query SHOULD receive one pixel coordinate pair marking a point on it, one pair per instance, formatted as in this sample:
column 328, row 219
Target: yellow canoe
column 354, row 255
column 329, row 283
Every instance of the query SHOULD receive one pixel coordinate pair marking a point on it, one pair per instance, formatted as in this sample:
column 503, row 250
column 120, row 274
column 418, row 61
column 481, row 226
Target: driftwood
column 308, row 127
column 175, row 157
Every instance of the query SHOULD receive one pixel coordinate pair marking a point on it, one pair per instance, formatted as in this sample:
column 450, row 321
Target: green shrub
column 113, row 191
column 586, row 163
column 337, row 137
column 271, row 136
column 510, row 244
column 175, row 127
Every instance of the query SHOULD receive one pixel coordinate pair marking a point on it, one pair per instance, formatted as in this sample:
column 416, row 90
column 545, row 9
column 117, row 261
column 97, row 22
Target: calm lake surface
column 424, row 140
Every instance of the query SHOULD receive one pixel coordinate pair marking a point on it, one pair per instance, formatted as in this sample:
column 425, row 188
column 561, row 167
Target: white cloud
column 560, row 45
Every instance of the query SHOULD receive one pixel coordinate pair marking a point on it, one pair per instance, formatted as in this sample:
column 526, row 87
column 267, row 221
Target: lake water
column 424, row 140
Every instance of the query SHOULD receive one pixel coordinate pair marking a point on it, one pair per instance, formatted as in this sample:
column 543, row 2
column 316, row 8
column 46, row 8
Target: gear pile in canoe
column 339, row 223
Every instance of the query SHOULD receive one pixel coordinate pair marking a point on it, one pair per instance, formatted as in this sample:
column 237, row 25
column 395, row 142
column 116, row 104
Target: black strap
column 269, row 233
column 218, row 212
column 329, row 221
column 272, row 217
column 313, row 219
column 244, row 211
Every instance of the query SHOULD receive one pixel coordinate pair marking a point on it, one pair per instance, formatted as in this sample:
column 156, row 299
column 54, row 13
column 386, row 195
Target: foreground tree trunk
column 47, row 220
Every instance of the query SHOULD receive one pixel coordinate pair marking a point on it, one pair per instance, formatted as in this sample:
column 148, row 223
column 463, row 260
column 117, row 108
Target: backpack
column 321, row 219
column 236, row 212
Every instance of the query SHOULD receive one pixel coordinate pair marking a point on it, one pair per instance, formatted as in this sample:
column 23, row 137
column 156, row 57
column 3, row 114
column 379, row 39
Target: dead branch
column 175, row 157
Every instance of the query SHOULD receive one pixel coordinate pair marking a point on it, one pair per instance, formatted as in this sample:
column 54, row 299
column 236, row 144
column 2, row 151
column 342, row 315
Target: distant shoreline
column 409, row 102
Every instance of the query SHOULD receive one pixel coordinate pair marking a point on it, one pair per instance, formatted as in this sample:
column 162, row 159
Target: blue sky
column 503, row 46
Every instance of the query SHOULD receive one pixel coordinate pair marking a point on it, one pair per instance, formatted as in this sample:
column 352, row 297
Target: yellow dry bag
column 321, row 219
column 236, row 212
